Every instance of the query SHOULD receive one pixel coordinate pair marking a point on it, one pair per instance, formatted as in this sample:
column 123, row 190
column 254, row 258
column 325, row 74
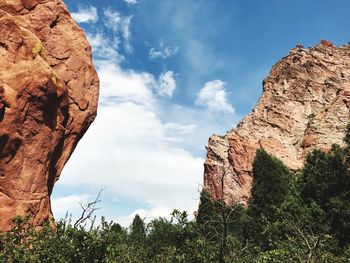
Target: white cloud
column 127, row 34
column 86, row 15
column 103, row 47
column 213, row 96
column 166, row 84
column 125, row 86
column 162, row 53
column 180, row 129
column 131, row 2
column 131, row 152
column 120, row 25
column 113, row 19
column 139, row 148
column 62, row 205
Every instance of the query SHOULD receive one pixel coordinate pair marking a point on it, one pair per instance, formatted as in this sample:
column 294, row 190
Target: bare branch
column 88, row 210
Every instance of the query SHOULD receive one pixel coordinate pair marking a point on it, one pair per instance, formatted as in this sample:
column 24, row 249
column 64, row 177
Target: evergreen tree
column 270, row 185
column 219, row 222
column 137, row 230
column 208, row 216
column 346, row 152
column 270, row 188
column 324, row 176
column 325, row 185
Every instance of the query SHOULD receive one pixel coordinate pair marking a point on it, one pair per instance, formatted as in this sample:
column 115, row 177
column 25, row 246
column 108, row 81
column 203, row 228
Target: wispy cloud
column 131, row 2
column 86, row 14
column 127, row 34
column 163, row 52
column 166, row 84
column 104, row 47
column 120, row 25
column 214, row 96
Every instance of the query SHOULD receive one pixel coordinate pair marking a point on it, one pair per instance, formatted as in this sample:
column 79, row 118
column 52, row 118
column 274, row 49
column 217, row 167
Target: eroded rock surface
column 305, row 104
column 48, row 99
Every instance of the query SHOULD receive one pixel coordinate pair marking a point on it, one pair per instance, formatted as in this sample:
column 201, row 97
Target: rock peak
column 304, row 105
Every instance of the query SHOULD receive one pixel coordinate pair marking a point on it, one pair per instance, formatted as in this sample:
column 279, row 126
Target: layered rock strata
column 48, row 99
column 304, row 105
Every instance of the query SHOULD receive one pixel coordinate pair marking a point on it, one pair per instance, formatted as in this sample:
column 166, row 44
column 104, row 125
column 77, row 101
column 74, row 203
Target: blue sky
column 172, row 73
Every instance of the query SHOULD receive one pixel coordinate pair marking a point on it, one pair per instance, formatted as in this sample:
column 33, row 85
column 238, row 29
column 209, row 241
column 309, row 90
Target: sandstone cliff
column 305, row 104
column 48, row 99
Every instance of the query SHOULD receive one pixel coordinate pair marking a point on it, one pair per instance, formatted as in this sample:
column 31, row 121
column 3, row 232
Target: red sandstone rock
column 326, row 43
column 305, row 104
column 48, row 99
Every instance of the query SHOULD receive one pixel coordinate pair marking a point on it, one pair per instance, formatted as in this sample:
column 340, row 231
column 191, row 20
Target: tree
column 347, row 145
column 219, row 221
column 137, row 230
column 206, row 216
column 271, row 184
column 88, row 211
column 324, row 176
column 326, row 184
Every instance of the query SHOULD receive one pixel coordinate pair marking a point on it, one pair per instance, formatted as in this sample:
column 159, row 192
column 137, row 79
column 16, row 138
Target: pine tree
column 326, row 184
column 137, row 230
column 270, row 184
column 218, row 222
column 208, row 216
column 270, row 188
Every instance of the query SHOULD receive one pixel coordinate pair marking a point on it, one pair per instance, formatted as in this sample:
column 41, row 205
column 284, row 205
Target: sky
column 172, row 73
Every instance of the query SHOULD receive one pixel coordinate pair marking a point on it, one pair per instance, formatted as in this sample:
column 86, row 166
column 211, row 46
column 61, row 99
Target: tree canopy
column 299, row 216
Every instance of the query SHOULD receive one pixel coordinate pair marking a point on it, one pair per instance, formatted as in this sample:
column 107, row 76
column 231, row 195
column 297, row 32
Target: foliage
column 301, row 216
column 270, row 185
column 220, row 224
column 326, row 185
column 137, row 230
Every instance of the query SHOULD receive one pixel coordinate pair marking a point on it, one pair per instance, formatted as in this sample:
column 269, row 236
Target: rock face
column 48, row 99
column 305, row 104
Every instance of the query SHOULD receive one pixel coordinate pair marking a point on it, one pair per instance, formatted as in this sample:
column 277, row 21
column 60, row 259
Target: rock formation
column 48, row 99
column 305, row 104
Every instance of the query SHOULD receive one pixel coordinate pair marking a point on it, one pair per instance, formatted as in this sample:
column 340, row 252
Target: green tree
column 326, row 184
column 137, row 230
column 207, row 216
column 271, row 185
column 220, row 224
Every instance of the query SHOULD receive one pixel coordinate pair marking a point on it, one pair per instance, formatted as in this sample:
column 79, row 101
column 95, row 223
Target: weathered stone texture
column 305, row 104
column 48, row 99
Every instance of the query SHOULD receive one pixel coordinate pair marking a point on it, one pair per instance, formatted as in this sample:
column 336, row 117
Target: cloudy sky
column 172, row 73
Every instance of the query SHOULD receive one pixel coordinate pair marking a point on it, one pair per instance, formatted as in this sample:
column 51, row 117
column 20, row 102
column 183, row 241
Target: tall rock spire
column 48, row 98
